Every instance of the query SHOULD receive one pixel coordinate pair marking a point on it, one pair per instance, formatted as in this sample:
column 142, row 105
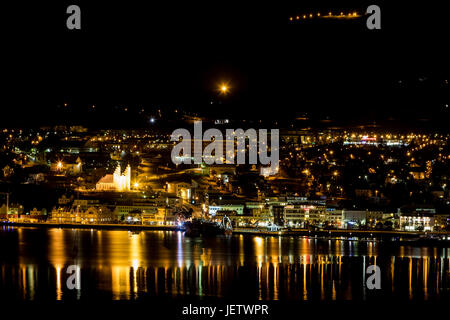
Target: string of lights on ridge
column 329, row 15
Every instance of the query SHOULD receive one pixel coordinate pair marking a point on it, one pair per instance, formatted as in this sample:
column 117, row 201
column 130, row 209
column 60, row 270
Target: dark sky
column 137, row 54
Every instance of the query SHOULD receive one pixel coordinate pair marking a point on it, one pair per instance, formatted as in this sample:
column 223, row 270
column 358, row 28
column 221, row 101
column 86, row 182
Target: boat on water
column 201, row 227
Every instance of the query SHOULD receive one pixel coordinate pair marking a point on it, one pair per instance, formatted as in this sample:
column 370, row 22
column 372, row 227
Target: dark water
column 121, row 265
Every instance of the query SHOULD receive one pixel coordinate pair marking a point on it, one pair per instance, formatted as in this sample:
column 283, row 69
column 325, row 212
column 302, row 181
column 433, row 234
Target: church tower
column 122, row 180
column 128, row 178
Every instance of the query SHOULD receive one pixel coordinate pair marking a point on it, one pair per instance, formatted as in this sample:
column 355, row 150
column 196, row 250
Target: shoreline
column 129, row 227
column 295, row 232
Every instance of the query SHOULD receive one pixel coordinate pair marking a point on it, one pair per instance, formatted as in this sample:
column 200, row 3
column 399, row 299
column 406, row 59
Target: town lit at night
column 212, row 161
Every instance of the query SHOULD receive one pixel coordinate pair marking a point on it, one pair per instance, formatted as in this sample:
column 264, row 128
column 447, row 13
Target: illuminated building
column 94, row 214
column 298, row 215
column 11, row 211
column 238, row 208
column 261, row 215
column 35, row 215
column 420, row 218
column 181, row 189
column 69, row 166
column 118, row 181
column 416, row 222
column 161, row 216
column 124, row 209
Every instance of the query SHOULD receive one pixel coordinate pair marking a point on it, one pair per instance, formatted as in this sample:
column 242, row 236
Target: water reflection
column 124, row 265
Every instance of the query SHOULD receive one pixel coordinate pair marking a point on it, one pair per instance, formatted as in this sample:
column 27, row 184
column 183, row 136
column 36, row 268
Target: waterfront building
column 238, row 208
column 155, row 216
column 354, row 218
column 35, row 216
column 334, row 217
column 416, row 221
column 236, row 220
column 369, row 218
column 299, row 215
column 262, row 216
column 94, row 214
column 124, row 209
column 13, row 212
column 160, row 216
column 417, row 218
column 261, row 213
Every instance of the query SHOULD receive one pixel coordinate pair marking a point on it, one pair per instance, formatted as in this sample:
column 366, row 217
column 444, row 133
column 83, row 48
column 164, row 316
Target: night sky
column 133, row 54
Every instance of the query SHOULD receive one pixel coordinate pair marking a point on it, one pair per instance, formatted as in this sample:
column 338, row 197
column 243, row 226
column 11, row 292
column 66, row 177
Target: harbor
column 142, row 265
column 395, row 236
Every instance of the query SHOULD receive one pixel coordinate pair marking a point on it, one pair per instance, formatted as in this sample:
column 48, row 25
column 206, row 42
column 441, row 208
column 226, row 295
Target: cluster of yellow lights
column 224, row 88
column 330, row 14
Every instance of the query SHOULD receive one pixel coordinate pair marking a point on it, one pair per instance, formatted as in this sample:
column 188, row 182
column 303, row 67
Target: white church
column 118, row 181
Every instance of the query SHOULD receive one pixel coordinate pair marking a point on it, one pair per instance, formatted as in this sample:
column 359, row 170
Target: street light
column 224, row 88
